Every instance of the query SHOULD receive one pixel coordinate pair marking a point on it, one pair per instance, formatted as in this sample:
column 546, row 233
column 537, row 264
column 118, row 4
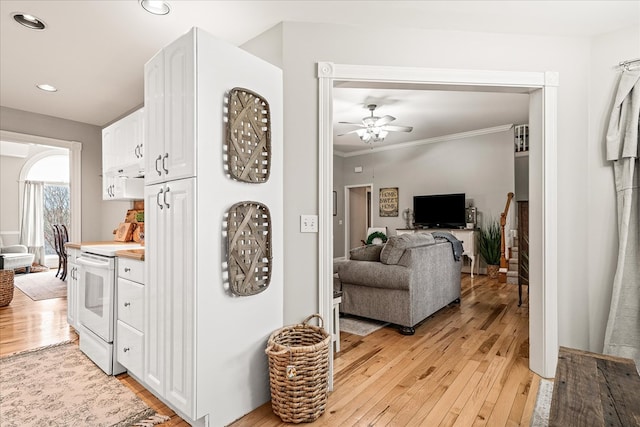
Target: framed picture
column 389, row 201
column 335, row 203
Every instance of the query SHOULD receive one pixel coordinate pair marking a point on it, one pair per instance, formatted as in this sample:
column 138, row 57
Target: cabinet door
column 72, row 294
column 179, row 109
column 179, row 266
column 155, row 317
column 154, row 119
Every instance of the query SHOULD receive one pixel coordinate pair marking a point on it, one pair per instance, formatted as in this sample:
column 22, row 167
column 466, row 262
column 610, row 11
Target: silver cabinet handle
column 164, row 199
column 127, row 304
column 126, row 349
column 157, row 168
column 158, row 198
column 127, row 269
column 164, row 165
column 137, row 151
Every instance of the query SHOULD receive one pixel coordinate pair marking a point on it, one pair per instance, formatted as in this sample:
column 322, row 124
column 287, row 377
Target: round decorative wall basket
column 248, row 136
column 249, row 248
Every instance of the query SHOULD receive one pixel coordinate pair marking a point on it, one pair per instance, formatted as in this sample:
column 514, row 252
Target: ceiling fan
column 375, row 129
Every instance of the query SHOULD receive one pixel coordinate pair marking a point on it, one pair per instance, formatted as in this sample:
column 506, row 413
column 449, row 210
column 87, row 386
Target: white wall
column 98, row 218
column 482, row 167
column 338, row 220
column 607, row 51
column 304, row 44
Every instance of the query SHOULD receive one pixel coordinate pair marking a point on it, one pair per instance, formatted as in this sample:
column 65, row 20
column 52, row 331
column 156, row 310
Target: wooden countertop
column 137, row 254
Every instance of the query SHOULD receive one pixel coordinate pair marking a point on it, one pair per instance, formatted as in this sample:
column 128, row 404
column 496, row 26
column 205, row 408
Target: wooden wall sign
column 389, row 201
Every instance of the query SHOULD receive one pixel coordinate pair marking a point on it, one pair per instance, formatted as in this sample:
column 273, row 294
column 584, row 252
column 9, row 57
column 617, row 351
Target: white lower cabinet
column 73, row 299
column 130, row 315
column 169, row 293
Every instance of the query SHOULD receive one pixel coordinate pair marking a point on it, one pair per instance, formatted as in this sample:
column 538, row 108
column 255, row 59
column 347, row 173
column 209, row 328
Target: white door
column 97, row 276
column 179, row 268
column 179, row 103
column 170, row 113
column 154, row 293
column 72, row 293
column 154, row 119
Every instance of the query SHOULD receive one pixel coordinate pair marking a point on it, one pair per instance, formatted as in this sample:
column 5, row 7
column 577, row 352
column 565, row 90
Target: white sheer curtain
column 622, row 337
column 32, row 226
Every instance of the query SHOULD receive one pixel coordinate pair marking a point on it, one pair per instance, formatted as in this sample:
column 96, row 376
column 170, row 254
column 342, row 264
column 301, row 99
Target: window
column 53, row 171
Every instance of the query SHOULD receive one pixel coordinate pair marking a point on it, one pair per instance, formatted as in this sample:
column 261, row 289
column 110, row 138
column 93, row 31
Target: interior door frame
column 75, row 173
column 347, row 207
column 542, row 88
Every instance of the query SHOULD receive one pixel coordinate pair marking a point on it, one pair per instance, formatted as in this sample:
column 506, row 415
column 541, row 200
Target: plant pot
column 492, row 271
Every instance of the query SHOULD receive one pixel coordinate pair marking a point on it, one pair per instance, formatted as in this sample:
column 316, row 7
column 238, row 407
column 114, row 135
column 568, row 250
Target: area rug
column 540, row 417
column 360, row 326
column 39, row 286
column 59, row 386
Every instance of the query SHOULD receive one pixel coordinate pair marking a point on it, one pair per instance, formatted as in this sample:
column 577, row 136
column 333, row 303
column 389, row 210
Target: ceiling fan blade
column 393, row 128
column 384, row 120
column 353, row 131
column 351, row 123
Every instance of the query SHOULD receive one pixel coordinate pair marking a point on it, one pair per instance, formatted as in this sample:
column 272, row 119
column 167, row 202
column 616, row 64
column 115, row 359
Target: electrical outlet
column 308, row 223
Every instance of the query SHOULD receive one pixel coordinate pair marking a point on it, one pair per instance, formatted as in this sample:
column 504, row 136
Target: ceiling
column 94, row 52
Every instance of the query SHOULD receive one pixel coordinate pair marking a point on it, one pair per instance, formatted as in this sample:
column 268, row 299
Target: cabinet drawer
column 131, row 269
column 130, row 348
column 130, row 302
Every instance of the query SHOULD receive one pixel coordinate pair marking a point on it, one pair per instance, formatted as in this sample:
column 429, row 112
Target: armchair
column 15, row 256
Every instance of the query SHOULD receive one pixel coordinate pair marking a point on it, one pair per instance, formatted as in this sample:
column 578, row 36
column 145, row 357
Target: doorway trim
column 347, row 206
column 75, row 169
column 542, row 87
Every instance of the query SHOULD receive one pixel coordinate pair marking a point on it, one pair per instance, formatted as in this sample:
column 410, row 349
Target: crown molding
column 450, row 137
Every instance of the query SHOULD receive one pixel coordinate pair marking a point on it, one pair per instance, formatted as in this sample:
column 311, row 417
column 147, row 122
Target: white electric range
column 98, row 268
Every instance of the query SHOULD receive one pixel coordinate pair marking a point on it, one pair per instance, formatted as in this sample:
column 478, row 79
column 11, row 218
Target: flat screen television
column 439, row 211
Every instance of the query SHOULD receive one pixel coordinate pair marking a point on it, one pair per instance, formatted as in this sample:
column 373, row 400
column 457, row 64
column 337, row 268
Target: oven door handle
column 92, row 263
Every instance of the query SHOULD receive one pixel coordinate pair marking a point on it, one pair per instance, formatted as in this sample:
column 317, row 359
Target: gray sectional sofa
column 402, row 282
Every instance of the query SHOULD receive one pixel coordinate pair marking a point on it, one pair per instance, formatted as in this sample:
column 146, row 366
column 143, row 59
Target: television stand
column 468, row 237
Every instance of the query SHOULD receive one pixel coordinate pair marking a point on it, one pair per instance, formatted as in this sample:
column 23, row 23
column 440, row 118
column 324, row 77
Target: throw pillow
column 395, row 246
column 366, row 253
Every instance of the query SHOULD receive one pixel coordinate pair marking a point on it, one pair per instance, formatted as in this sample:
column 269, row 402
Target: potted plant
column 490, row 247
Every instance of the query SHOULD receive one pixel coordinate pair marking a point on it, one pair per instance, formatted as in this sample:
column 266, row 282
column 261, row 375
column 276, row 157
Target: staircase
column 512, row 272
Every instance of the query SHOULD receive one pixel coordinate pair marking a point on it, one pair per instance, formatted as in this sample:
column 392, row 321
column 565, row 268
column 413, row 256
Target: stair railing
column 504, row 263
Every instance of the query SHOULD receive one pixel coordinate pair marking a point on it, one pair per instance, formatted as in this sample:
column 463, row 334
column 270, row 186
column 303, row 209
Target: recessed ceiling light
column 157, row 7
column 47, row 88
column 28, row 21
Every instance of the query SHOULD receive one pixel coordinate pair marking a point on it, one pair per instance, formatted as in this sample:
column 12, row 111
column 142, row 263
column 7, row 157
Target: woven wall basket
column 249, row 248
column 248, row 136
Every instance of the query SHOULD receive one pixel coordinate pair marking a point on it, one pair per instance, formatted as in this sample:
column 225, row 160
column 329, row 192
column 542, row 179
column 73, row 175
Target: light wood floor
column 467, row 365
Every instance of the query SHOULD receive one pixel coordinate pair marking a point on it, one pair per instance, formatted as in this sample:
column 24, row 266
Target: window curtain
column 32, row 226
column 622, row 336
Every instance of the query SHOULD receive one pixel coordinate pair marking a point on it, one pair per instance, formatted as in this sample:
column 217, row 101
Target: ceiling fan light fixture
column 156, row 7
column 29, row 21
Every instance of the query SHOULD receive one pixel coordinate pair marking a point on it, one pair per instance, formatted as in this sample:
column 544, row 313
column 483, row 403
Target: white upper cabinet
column 169, row 96
column 123, row 146
column 123, row 158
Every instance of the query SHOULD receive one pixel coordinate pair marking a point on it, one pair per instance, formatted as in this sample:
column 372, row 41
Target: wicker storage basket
column 299, row 371
column 6, row 287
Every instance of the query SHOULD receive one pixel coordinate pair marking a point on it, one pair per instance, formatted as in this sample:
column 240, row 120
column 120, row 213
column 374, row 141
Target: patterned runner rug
column 59, row 386
column 39, row 286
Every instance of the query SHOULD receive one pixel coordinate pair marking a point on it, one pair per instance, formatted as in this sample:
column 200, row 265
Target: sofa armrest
column 374, row 274
column 14, row 249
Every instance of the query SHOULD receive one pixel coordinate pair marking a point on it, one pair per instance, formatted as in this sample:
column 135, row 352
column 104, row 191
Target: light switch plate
column 308, row 223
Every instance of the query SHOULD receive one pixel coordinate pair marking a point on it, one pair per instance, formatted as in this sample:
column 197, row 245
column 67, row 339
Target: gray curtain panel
column 622, row 337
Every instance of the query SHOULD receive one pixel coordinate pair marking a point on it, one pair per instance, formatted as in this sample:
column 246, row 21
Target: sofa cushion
column 366, row 253
column 395, row 246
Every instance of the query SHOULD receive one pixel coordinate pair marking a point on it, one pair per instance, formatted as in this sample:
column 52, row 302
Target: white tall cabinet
column 204, row 347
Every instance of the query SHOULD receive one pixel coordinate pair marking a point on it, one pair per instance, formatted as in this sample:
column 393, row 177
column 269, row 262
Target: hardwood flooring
column 467, row 365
